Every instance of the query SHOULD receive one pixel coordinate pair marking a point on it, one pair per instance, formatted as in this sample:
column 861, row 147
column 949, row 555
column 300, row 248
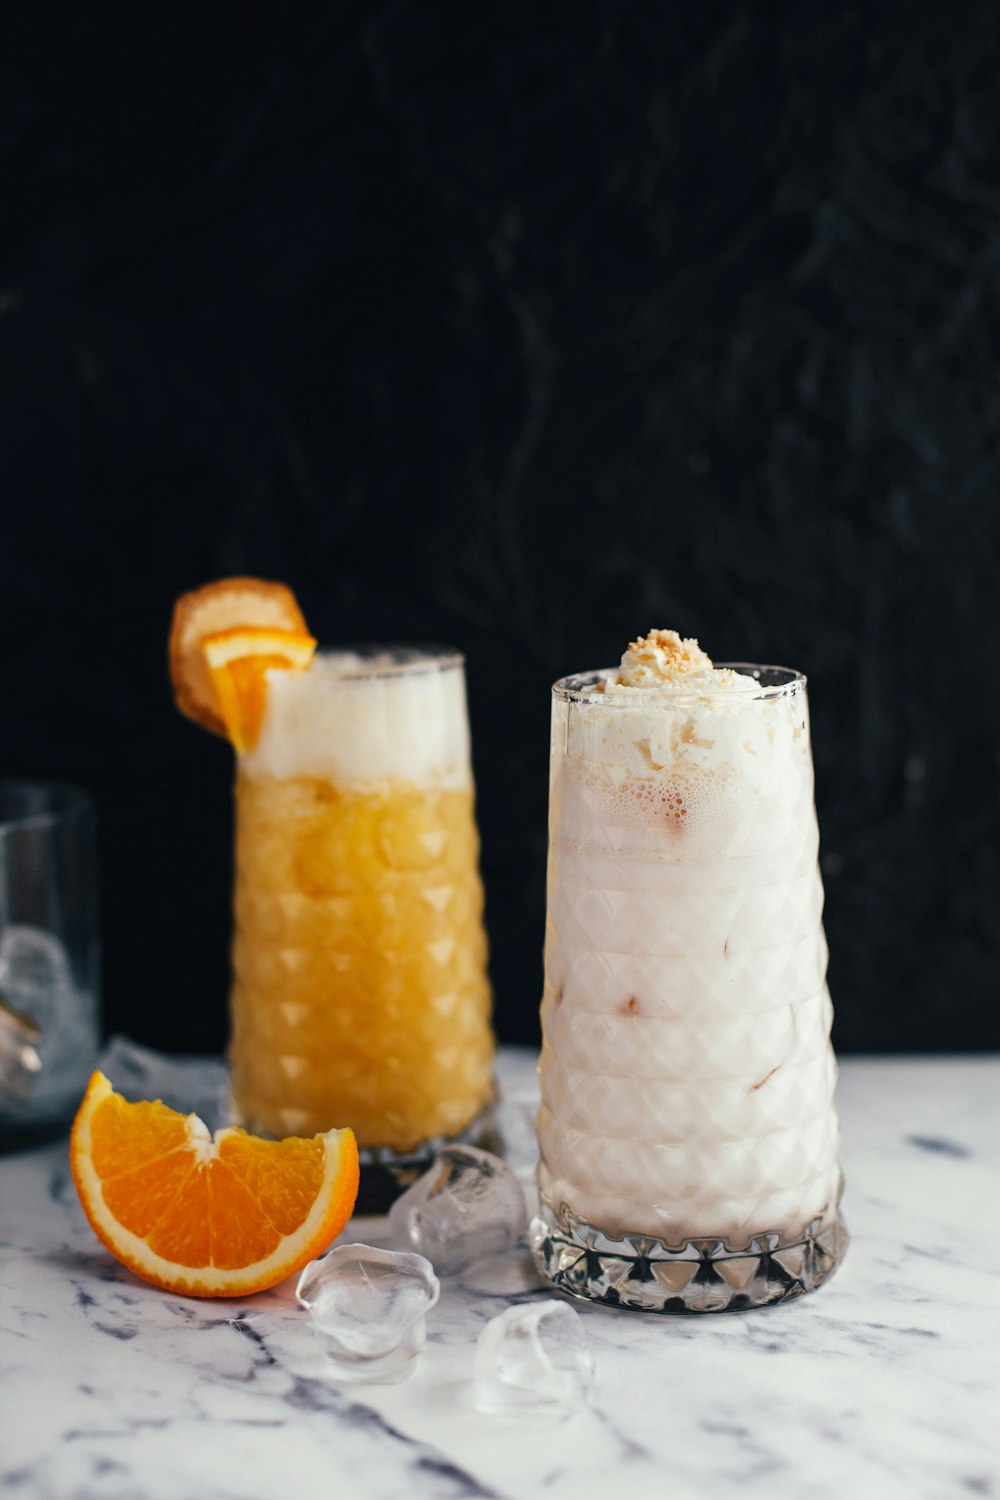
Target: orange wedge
column 224, row 605
column 238, row 662
column 207, row 1216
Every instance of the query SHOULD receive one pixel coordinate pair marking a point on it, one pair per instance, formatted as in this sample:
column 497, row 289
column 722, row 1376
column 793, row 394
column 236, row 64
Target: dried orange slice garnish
column 224, row 605
column 208, row 1216
column 238, row 662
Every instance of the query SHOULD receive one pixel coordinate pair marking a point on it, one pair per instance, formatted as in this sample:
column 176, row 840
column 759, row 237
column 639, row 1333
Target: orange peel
column 227, row 604
column 238, row 662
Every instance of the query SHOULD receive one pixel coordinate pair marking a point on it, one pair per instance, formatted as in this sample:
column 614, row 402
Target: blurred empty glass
column 49, row 955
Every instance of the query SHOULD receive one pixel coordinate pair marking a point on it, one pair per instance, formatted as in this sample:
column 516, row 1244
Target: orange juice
column 359, row 992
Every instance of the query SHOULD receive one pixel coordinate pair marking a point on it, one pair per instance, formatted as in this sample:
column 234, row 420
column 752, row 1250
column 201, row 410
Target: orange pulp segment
column 224, row 605
column 238, row 662
column 208, row 1216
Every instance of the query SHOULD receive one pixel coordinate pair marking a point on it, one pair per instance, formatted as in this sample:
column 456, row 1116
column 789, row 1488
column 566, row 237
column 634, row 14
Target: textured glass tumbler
column 360, row 994
column 49, row 956
column 688, row 1135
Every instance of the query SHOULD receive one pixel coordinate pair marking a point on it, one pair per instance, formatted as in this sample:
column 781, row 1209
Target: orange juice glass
column 360, row 995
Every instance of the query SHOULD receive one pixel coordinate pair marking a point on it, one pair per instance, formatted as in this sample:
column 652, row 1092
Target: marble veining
column 883, row 1383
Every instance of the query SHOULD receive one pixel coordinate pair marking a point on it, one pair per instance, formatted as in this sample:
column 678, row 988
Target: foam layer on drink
column 687, row 1076
column 356, row 720
column 691, row 762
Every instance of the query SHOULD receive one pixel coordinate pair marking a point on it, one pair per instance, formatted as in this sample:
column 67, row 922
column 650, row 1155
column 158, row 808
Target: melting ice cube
column 368, row 1309
column 468, row 1206
column 533, row 1359
column 515, row 1119
column 34, row 972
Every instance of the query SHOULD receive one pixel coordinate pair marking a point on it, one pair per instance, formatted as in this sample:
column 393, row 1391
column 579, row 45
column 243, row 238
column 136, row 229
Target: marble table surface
column 883, row 1383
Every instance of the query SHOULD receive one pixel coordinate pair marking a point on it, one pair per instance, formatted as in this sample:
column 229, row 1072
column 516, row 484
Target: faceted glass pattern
column 687, row 1128
column 702, row 1275
column 359, row 993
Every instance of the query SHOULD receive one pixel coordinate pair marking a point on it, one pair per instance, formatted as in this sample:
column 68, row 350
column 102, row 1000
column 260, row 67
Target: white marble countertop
column 883, row 1383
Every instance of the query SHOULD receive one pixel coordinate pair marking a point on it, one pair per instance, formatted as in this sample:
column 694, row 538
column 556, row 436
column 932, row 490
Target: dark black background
column 526, row 330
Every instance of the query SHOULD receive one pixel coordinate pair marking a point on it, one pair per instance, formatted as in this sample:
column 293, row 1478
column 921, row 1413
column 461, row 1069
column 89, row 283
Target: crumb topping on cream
column 659, row 657
column 665, row 664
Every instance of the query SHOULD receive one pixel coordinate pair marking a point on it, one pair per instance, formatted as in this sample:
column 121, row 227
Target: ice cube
column 533, row 1359
column 515, row 1120
column 34, row 972
column 368, row 1309
column 468, row 1206
column 512, row 1274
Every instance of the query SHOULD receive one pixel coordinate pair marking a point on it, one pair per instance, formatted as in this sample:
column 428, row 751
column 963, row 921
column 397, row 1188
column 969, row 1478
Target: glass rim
column 411, row 660
column 578, row 687
column 65, row 801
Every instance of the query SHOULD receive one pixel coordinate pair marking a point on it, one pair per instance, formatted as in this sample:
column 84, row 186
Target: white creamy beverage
column 687, row 1074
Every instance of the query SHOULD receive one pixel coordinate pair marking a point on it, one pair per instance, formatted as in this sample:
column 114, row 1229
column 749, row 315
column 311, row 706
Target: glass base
column 385, row 1173
column 697, row 1276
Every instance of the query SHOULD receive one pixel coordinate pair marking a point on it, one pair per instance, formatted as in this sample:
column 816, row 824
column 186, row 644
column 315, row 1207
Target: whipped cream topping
column 667, row 663
column 669, row 723
column 661, row 656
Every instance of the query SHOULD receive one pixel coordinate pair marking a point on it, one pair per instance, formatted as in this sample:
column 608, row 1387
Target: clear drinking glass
column 360, row 995
column 687, row 1129
column 49, row 956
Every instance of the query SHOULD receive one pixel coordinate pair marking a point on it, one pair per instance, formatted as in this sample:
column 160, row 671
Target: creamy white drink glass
column 687, row 1129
